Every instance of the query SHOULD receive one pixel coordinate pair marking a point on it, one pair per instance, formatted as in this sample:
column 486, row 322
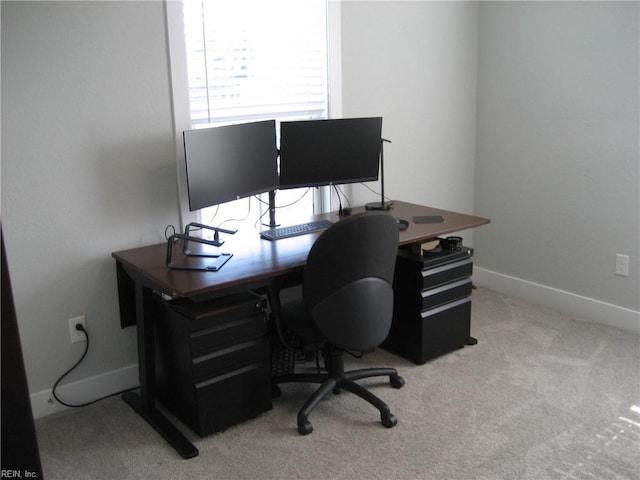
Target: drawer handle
column 446, row 306
column 234, row 373
column 448, row 266
column 222, row 327
column 446, row 287
column 226, row 351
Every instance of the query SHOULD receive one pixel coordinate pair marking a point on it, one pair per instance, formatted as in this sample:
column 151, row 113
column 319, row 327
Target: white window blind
column 256, row 59
column 250, row 60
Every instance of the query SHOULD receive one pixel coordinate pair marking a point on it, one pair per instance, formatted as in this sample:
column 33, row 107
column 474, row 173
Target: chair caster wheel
column 397, row 381
column 389, row 420
column 305, row 428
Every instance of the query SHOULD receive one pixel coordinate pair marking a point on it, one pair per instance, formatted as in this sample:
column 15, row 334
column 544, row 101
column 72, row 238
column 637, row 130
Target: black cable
column 346, row 198
column 235, row 219
column 339, row 200
column 166, row 237
column 266, row 212
column 293, row 202
column 346, row 210
column 213, row 217
column 373, row 191
column 86, row 350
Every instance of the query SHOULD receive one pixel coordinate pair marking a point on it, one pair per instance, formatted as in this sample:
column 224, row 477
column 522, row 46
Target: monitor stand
column 381, row 205
column 272, row 210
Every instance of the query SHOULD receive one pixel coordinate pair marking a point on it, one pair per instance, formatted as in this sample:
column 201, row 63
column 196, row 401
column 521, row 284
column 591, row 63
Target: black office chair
column 346, row 305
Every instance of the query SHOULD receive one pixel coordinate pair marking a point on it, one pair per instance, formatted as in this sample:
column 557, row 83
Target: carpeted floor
column 541, row 396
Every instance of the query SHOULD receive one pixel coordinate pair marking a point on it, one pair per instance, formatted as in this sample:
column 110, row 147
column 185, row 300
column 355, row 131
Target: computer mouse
column 402, row 224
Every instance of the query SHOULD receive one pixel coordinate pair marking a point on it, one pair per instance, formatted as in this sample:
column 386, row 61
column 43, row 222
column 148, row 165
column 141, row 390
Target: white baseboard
column 581, row 307
column 85, row 390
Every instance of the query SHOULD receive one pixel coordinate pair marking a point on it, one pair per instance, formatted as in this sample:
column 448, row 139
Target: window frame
column 179, row 90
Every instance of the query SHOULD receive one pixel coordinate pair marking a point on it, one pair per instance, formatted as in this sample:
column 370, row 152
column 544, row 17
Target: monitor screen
column 323, row 152
column 230, row 162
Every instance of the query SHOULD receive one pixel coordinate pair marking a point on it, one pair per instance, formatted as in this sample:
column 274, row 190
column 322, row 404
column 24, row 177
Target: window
column 250, row 60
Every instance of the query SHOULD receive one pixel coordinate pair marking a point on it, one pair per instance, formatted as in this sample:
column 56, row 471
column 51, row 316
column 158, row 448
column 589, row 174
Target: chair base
column 346, row 381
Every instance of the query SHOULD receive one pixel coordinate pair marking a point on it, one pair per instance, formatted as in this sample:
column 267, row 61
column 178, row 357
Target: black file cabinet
column 432, row 306
column 212, row 361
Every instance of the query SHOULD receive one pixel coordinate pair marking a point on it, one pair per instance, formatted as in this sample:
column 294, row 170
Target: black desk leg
column 145, row 403
column 161, row 425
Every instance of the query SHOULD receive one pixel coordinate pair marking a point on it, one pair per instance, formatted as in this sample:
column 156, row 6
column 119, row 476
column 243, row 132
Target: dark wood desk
column 255, row 263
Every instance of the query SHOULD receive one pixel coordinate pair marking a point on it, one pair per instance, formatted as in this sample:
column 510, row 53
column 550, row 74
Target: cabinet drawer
column 233, row 397
column 228, row 332
column 230, row 357
column 423, row 336
column 217, row 322
column 449, row 272
column 445, row 328
column 446, row 293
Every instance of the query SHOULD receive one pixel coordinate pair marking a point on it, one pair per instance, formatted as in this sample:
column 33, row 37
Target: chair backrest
column 348, row 280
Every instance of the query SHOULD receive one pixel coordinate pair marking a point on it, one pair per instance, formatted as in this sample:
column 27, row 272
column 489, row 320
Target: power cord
column 266, row 212
column 373, row 191
column 346, row 210
column 81, row 328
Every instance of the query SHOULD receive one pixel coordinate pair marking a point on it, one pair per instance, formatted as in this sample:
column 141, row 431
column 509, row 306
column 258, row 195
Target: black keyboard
column 295, row 230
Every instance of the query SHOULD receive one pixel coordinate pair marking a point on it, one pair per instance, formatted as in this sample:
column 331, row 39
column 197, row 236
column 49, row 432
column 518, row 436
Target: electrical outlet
column 77, row 335
column 622, row 265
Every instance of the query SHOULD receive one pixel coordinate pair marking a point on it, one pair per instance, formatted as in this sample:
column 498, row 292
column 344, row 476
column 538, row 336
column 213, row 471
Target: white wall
column 414, row 63
column 88, row 168
column 558, row 149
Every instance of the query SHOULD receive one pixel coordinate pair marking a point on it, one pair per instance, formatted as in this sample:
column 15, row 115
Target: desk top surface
column 255, row 260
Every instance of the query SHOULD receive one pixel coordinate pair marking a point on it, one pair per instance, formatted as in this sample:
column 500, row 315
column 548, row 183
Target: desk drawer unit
column 432, row 304
column 212, row 361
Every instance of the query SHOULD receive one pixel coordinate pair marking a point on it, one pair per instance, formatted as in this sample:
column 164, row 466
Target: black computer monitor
column 230, row 162
column 325, row 152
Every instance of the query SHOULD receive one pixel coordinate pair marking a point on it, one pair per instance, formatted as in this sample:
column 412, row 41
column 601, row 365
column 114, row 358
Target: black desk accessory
column 216, row 242
column 402, row 224
column 451, row 244
column 381, row 205
column 220, row 258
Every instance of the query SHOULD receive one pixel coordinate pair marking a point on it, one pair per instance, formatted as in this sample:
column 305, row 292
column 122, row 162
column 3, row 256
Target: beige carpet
column 541, row 396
